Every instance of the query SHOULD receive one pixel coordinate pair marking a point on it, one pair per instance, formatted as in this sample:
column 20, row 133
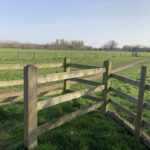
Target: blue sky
column 94, row 21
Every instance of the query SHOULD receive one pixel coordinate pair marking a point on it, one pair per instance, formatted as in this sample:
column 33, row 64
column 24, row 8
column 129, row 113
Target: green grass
column 94, row 130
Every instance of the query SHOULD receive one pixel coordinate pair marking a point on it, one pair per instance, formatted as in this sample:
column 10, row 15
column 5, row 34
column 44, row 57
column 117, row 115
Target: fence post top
column 144, row 67
column 30, row 66
column 67, row 58
column 107, row 61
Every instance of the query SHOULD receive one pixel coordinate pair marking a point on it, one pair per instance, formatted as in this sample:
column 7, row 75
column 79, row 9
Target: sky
column 93, row 21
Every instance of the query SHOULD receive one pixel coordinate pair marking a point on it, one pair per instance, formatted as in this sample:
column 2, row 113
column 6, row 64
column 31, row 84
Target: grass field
column 92, row 131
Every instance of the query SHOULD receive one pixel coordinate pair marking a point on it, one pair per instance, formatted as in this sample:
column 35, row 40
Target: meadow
column 95, row 130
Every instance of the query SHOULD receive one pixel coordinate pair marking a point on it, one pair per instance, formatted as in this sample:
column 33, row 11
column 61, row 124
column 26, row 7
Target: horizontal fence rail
column 124, row 79
column 122, row 121
column 93, row 83
column 124, row 95
column 67, row 97
column 89, row 96
column 6, row 98
column 56, row 77
column 55, row 88
column 11, row 83
column 120, row 107
column 82, row 66
column 10, row 96
column 55, row 123
column 69, row 75
column 20, row 66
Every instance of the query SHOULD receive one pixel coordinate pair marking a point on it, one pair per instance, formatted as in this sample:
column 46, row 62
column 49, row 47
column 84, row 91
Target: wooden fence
column 8, row 97
column 32, row 105
column 51, row 88
column 139, row 122
column 62, row 82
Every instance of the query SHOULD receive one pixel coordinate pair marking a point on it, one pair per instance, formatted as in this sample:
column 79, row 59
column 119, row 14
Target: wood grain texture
column 30, row 106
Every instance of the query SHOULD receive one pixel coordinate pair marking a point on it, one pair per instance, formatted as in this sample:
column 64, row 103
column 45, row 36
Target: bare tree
column 110, row 45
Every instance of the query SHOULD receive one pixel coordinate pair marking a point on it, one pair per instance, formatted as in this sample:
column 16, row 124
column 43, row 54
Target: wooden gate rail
column 124, row 95
column 53, row 87
column 67, row 97
column 57, row 77
column 31, row 104
column 93, row 83
column 8, row 97
column 89, row 97
column 66, row 118
column 12, row 96
column 82, row 66
column 120, row 107
column 69, row 75
column 136, row 129
column 125, row 79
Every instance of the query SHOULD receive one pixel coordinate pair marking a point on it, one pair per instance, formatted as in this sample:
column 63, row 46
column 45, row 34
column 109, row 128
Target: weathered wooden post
column 34, row 55
column 142, row 85
column 18, row 55
column 67, row 83
column 30, row 106
column 106, row 81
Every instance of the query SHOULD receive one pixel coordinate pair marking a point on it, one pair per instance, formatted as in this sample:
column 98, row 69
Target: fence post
column 34, row 55
column 138, row 121
column 18, row 55
column 30, row 106
column 67, row 83
column 106, row 81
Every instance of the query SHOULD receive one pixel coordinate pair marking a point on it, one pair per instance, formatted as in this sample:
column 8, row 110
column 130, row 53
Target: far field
column 92, row 131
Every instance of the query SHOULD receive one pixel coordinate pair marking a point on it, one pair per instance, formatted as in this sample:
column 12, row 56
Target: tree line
column 113, row 46
column 61, row 44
